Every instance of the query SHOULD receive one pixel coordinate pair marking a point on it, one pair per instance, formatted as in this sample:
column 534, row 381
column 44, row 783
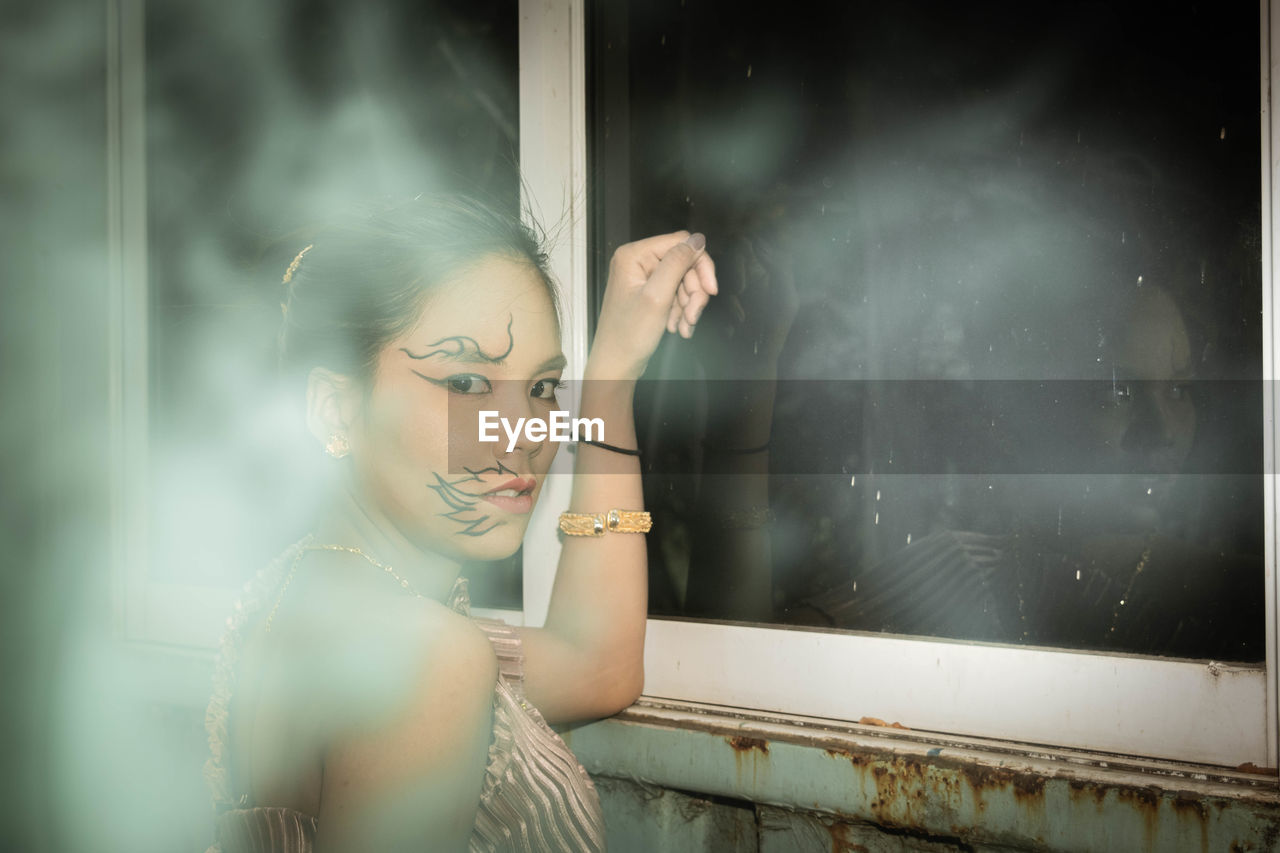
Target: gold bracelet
column 613, row 521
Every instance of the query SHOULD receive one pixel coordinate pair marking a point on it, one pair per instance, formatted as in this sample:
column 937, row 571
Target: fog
column 262, row 122
column 923, row 217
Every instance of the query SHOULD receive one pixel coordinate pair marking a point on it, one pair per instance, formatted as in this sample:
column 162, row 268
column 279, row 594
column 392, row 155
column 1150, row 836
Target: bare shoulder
column 401, row 691
column 355, row 673
column 369, row 651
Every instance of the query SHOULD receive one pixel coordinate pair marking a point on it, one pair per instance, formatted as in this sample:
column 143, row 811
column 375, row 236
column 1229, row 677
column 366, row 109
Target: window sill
column 978, row 792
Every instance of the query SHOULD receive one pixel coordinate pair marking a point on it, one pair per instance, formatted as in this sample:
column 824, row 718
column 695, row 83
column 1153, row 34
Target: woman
column 358, row 707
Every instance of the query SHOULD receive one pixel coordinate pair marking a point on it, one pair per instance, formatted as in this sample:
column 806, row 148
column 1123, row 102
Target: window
column 903, row 172
column 985, row 367
column 246, row 126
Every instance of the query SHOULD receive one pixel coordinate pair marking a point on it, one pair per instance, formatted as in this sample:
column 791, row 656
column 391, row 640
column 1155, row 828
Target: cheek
column 461, row 432
column 405, row 435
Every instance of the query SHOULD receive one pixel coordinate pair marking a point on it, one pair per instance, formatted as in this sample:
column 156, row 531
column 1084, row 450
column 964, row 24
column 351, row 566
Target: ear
column 332, row 403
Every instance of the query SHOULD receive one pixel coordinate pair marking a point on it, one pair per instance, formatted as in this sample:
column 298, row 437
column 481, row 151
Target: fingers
column 706, row 270
column 692, row 296
column 693, row 306
column 677, row 273
column 661, row 285
column 648, row 253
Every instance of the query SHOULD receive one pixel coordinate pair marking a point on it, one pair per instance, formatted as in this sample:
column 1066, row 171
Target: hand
column 658, row 284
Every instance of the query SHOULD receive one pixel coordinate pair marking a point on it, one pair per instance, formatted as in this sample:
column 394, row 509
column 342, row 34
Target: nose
column 516, row 406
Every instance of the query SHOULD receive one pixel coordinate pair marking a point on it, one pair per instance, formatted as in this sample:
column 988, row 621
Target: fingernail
column 696, row 242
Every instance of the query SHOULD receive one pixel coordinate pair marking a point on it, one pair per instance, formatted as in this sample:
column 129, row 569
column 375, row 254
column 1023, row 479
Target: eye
column 468, row 383
column 1121, row 392
column 1178, row 391
column 545, row 389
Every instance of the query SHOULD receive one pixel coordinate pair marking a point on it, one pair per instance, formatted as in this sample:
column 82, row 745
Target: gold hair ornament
column 293, row 265
column 599, row 523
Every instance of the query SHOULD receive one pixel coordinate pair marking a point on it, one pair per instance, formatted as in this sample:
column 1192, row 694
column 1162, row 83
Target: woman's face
column 487, row 340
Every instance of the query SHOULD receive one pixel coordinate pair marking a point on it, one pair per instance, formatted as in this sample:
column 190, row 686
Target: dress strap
column 509, row 649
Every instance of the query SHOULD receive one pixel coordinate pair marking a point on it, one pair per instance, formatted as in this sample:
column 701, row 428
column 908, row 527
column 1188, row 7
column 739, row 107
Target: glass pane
column 989, row 326
column 261, row 120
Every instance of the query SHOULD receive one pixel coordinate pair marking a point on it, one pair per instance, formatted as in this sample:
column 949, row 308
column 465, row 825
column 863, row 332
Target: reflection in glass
column 991, row 287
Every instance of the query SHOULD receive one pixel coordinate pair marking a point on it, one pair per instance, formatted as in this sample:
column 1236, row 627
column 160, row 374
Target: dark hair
column 364, row 280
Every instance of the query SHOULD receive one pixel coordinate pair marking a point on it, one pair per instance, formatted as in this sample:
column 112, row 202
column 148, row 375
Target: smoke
column 261, row 122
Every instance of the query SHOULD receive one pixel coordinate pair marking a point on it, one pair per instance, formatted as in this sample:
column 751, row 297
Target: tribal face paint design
column 464, row 348
column 427, row 471
column 462, row 504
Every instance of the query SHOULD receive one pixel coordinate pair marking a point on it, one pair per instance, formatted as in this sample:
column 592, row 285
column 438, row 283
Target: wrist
column 604, row 362
column 606, row 374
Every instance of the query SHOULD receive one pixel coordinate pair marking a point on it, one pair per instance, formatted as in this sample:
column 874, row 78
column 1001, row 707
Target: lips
column 514, row 496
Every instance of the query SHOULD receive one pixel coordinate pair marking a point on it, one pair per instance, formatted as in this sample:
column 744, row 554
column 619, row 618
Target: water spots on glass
column 967, row 235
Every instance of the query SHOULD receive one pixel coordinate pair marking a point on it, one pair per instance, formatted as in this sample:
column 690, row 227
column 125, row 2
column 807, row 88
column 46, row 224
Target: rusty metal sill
column 976, row 791
column 838, row 735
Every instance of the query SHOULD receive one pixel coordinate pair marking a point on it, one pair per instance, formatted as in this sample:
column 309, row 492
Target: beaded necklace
column 349, row 549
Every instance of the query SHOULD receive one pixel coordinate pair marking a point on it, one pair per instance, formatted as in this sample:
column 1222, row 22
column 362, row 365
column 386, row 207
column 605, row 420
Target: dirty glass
column 261, row 121
column 986, row 362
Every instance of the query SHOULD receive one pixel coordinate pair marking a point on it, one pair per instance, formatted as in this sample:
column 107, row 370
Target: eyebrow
column 556, row 362
column 462, row 348
column 464, row 354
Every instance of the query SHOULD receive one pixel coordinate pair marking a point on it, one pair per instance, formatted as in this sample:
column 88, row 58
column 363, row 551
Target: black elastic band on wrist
column 604, row 446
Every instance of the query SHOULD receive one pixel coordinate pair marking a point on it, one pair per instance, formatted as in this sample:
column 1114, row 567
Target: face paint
column 496, row 318
column 464, row 348
column 464, row 506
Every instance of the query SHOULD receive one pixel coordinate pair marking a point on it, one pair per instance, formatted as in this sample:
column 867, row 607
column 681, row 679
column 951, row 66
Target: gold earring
column 337, row 446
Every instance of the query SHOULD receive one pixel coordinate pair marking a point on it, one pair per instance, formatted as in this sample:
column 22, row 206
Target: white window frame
column 1194, row 711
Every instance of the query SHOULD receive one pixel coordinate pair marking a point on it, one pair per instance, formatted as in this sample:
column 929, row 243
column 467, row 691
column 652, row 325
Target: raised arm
column 588, row 660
